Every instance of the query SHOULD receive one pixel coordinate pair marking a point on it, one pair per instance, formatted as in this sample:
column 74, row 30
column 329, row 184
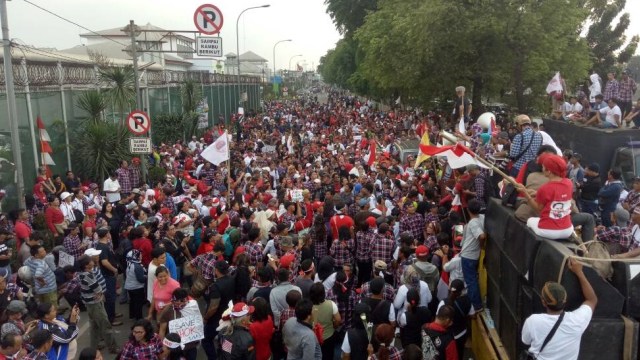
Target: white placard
column 296, row 195
column 190, row 328
column 268, row 149
column 65, row 259
column 140, row 145
column 209, row 46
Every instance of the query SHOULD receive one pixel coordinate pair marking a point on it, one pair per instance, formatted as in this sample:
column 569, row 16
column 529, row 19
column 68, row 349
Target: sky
column 305, row 22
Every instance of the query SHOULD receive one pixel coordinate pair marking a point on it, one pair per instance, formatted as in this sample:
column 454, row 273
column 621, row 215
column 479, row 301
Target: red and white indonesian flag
column 217, row 152
column 555, row 85
column 458, row 155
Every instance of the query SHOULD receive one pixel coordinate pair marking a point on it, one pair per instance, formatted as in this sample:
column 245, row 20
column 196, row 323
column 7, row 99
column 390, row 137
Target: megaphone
column 485, row 120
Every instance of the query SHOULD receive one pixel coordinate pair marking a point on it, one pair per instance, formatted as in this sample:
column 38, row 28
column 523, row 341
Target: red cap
column 165, row 211
column 241, row 309
column 371, row 221
column 317, row 205
column 85, row 189
column 287, row 260
column 422, row 251
column 91, row 212
column 554, row 163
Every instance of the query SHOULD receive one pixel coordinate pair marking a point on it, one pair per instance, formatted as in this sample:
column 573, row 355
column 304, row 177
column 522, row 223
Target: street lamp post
column 274, row 57
column 294, row 56
column 238, row 45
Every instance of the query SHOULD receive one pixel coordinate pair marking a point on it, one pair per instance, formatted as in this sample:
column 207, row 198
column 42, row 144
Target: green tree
column 94, row 104
column 349, row 15
column 99, row 147
column 120, row 92
column 191, row 95
column 608, row 43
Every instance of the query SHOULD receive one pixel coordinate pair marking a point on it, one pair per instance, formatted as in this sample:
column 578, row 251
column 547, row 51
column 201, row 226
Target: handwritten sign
column 190, row 328
column 65, row 259
column 268, row 149
column 296, row 195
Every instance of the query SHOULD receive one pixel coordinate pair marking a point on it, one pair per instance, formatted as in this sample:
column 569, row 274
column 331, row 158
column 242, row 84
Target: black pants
column 328, row 346
column 460, row 345
column 136, row 300
column 365, row 269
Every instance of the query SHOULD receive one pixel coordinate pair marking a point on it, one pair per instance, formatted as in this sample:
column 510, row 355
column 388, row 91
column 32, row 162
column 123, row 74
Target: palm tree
column 102, row 147
column 93, row 103
column 122, row 93
column 191, row 95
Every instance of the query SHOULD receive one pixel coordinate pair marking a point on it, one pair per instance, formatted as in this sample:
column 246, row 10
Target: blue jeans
column 470, row 272
column 605, row 217
column 607, row 125
column 588, row 206
column 110, row 297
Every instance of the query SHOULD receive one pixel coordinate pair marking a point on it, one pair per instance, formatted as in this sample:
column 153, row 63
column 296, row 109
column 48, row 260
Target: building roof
column 231, row 55
column 158, row 36
column 113, row 50
column 250, row 56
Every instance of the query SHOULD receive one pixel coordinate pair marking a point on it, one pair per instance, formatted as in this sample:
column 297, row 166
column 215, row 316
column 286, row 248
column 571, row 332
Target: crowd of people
column 320, row 239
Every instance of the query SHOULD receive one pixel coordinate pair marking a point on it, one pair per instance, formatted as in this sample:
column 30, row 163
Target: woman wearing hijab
column 134, row 284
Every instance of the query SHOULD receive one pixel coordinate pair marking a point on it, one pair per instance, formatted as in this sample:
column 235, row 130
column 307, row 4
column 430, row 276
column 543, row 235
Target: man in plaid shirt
column 342, row 250
column 412, row 222
column 388, row 292
column 627, row 88
column 124, row 178
column 364, row 238
column 253, row 248
column 72, row 243
column 628, row 237
column 382, row 249
column 611, row 90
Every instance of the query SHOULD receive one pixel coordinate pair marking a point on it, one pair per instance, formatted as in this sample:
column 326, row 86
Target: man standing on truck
column 611, row 90
column 462, row 106
column 525, row 145
column 627, row 88
column 473, row 238
column 557, row 334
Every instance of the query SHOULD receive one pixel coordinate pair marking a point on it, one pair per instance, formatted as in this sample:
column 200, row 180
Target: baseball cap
column 380, row 265
column 286, row 241
column 165, row 211
column 64, row 195
column 17, row 306
column 317, row 205
column 91, row 212
column 371, row 221
column 594, row 167
column 241, row 309
column 222, row 266
column 363, row 202
column 287, row 260
column 92, row 252
column 422, row 251
column 72, row 225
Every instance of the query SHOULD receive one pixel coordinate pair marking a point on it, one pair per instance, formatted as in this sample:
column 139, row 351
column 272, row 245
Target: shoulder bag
column 526, row 355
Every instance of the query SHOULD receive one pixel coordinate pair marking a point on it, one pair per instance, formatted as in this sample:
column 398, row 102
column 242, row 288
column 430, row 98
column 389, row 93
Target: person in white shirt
column 193, row 144
column 565, row 342
column 612, row 116
column 66, row 206
column 111, row 188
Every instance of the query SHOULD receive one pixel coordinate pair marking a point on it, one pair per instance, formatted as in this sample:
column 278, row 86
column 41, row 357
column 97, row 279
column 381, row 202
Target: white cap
column 92, row 252
column 64, row 195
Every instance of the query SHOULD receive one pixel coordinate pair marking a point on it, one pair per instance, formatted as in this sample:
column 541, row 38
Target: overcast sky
column 304, row 21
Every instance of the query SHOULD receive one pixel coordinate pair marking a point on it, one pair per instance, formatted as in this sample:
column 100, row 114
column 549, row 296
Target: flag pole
column 506, row 177
column 228, row 170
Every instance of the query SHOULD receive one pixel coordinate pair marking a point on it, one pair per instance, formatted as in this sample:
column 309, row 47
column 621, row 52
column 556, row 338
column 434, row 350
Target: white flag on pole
column 555, row 84
column 217, row 152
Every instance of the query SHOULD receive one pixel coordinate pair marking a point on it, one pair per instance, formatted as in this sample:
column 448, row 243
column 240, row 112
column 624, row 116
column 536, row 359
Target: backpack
column 434, row 344
column 429, row 351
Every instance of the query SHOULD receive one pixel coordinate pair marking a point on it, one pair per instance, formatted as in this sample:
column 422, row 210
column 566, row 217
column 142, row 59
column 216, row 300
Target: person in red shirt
column 140, row 243
column 261, row 328
column 441, row 337
column 552, row 200
column 89, row 224
column 340, row 219
column 22, row 229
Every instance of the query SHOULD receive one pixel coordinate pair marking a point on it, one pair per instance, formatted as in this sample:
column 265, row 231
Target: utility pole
column 133, row 32
column 11, row 104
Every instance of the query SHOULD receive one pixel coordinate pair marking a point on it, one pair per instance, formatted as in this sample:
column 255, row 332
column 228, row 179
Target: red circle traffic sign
column 208, row 19
column 138, row 122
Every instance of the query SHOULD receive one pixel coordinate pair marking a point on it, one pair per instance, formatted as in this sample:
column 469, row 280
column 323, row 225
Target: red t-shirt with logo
column 555, row 196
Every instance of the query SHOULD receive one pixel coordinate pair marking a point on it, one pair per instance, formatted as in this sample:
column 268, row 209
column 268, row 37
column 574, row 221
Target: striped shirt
column 90, row 289
column 40, row 269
